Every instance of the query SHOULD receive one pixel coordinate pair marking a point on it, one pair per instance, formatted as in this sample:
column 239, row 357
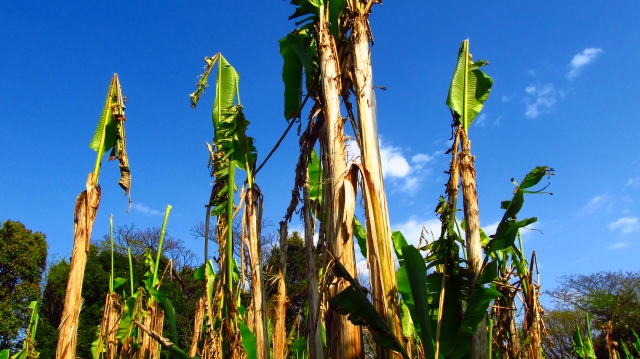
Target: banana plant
column 109, row 136
column 232, row 149
column 470, row 88
column 583, row 346
column 28, row 346
column 317, row 41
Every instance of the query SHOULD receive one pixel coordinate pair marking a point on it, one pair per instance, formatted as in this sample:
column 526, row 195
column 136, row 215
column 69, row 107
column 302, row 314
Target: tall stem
column 111, row 239
column 230, row 203
column 130, row 269
column 162, row 233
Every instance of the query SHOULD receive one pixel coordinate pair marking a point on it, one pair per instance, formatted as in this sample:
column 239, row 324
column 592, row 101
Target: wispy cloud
column 596, row 203
column 626, row 225
column 507, row 98
column 540, row 99
column 412, row 228
column 481, row 120
column 582, row 59
column 633, row 182
column 139, row 207
column 618, row 245
column 497, row 121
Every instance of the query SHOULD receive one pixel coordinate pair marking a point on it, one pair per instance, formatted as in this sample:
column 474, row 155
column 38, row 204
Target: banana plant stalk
column 109, row 135
column 339, row 197
column 469, row 89
column 254, row 219
column 380, row 257
column 316, row 350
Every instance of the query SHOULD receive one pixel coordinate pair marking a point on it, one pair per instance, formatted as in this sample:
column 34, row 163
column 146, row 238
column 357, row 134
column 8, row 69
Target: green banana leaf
column 417, row 277
column 353, row 302
column 226, row 89
column 248, row 340
column 292, row 78
column 361, row 236
column 469, row 88
column 314, row 170
column 106, row 124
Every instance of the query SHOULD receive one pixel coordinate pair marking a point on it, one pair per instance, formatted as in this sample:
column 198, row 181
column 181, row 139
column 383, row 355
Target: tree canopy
column 23, row 258
column 606, row 297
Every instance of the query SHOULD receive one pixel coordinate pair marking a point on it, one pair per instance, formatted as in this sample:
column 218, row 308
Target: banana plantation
column 460, row 293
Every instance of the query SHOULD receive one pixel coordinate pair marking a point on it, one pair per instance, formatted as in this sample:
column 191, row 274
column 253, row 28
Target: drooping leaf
column 361, row 236
column 353, row 302
column 314, row 170
column 306, row 7
column 489, row 273
column 506, row 233
column 399, row 242
column 169, row 311
column 292, row 78
column 417, row 275
column 535, row 176
column 335, row 9
column 469, row 88
column 474, row 313
column 118, row 282
column 248, row 340
column 477, row 307
column 407, row 323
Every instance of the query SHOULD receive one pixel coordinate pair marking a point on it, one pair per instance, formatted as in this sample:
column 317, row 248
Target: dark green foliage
column 23, row 256
column 296, row 277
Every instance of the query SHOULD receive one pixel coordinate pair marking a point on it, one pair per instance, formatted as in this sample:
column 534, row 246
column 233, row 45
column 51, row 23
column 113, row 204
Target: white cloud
column 626, row 225
column 139, row 207
column 497, row 121
column 506, row 98
column 543, row 100
column 581, row 60
column 481, row 120
column 531, row 73
column 633, row 182
column 412, row 229
column 595, row 203
column 618, row 245
column 393, row 162
column 421, row 159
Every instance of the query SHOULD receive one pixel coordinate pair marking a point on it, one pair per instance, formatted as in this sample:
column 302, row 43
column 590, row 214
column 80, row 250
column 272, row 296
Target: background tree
column 178, row 285
column 23, row 257
column 560, row 325
column 296, row 278
column 604, row 296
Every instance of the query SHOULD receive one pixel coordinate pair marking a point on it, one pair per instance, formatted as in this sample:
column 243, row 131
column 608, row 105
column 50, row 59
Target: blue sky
column 565, row 77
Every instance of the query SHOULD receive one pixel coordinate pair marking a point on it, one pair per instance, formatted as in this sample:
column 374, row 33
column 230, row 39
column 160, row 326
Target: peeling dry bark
column 197, row 327
column 254, row 220
column 313, row 322
column 84, row 216
column 280, row 299
column 109, row 326
column 479, row 342
column 344, row 339
column 379, row 256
